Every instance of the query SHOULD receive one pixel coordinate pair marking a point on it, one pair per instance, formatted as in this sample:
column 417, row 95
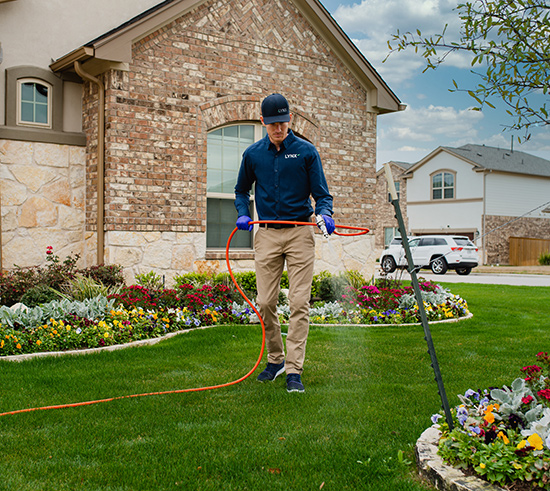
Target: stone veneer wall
column 497, row 244
column 212, row 67
column 42, row 190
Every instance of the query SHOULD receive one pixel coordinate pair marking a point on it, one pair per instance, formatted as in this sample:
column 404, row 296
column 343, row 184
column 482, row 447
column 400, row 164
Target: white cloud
column 412, row 134
column 372, row 23
column 428, row 123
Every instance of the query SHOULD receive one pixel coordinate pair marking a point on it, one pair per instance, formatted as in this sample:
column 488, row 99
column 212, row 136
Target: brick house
column 167, row 103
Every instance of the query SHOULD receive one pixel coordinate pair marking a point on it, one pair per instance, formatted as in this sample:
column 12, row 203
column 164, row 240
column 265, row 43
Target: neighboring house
column 125, row 148
column 386, row 224
column 486, row 193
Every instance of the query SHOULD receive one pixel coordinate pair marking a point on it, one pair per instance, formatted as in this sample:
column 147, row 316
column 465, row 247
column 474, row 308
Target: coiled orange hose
column 360, row 231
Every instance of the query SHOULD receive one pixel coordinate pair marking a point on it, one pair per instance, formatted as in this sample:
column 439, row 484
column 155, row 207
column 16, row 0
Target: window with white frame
column 224, row 154
column 443, row 185
column 34, row 103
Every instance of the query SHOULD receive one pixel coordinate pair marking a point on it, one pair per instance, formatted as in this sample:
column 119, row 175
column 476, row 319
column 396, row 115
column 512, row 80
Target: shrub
column 55, row 273
column 107, row 274
column 544, row 259
column 191, row 279
column 38, row 295
column 14, row 283
column 247, row 282
column 331, row 288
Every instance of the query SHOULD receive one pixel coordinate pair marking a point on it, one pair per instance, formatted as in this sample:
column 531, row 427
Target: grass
column 369, row 395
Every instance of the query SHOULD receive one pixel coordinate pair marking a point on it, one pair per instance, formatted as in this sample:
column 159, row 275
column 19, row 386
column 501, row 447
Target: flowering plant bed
column 389, row 303
column 136, row 312
column 503, row 434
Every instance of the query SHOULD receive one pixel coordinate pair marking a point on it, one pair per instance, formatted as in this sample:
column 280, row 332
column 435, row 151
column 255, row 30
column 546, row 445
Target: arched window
column 225, row 149
column 443, row 185
column 34, row 103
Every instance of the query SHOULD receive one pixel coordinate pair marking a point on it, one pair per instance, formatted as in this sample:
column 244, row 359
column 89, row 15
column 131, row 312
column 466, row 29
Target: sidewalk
column 512, row 269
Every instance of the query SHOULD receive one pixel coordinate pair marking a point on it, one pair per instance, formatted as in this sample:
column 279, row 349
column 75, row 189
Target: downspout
column 100, row 160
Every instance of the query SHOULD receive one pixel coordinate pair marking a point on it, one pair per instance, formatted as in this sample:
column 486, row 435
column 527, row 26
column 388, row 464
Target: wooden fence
column 525, row 251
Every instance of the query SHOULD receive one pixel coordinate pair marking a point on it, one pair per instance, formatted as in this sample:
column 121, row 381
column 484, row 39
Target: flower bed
column 136, row 313
column 503, row 434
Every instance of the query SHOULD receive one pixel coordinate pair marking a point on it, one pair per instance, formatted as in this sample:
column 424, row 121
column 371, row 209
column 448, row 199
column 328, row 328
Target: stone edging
column 444, row 477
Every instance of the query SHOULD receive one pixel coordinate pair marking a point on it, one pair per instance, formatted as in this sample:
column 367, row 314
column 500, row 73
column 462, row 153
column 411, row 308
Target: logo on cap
column 275, row 109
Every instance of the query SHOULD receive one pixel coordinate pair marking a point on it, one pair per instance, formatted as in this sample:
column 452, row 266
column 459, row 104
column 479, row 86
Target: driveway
column 497, row 275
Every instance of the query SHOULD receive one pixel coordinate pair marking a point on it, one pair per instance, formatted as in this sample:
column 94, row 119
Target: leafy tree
column 510, row 38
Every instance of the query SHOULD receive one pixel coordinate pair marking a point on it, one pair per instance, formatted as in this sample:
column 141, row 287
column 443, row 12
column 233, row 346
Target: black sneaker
column 294, row 383
column 271, row 372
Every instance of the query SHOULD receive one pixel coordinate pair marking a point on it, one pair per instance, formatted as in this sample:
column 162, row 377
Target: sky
column 434, row 116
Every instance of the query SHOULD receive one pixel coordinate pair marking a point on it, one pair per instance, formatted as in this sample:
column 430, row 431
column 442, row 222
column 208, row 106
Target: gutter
column 100, row 161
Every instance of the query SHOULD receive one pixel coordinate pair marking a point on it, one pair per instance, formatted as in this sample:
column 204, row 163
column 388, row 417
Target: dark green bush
column 544, row 259
column 38, row 295
column 107, row 274
column 331, row 288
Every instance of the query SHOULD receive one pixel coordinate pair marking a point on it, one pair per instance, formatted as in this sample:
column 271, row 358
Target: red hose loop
column 361, row 230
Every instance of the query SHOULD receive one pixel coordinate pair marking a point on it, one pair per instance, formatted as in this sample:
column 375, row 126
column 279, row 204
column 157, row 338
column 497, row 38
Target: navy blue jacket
column 284, row 179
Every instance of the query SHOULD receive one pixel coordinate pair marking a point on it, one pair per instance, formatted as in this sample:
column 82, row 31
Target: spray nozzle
column 321, row 224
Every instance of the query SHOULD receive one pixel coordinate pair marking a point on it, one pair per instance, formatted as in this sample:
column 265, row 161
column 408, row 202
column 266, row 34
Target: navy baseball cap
column 275, row 109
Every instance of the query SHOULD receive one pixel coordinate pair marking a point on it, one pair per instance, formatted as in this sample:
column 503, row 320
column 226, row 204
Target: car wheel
column 439, row 265
column 463, row 271
column 388, row 264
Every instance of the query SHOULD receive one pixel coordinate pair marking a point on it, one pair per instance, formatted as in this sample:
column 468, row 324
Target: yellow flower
column 482, row 465
column 516, row 465
column 106, row 335
column 504, row 437
column 2, row 344
column 489, row 417
column 521, row 444
column 18, row 346
column 535, row 441
column 38, row 343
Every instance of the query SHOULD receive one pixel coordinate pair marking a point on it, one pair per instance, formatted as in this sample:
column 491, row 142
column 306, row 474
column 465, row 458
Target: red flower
column 526, row 400
column 531, row 369
column 545, row 393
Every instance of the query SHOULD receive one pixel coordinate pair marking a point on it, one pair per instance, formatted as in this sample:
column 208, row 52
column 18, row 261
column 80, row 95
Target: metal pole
column 418, row 295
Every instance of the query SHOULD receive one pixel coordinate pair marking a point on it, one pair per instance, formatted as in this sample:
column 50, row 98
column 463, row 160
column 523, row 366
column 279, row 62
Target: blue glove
column 329, row 222
column 242, row 223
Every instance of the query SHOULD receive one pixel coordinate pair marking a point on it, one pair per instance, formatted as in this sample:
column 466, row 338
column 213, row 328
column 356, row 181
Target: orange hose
column 195, row 389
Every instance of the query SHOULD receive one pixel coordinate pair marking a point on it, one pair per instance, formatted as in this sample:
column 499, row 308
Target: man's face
column 277, row 132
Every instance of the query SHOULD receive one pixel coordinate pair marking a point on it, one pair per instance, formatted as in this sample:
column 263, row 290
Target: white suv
column 436, row 252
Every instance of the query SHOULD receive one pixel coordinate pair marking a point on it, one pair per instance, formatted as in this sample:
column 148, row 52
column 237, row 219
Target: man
column 286, row 171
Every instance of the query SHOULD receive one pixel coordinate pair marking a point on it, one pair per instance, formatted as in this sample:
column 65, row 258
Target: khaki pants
column 273, row 247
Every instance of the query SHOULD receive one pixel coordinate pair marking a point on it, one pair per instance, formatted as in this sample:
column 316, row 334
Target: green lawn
column 370, row 392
